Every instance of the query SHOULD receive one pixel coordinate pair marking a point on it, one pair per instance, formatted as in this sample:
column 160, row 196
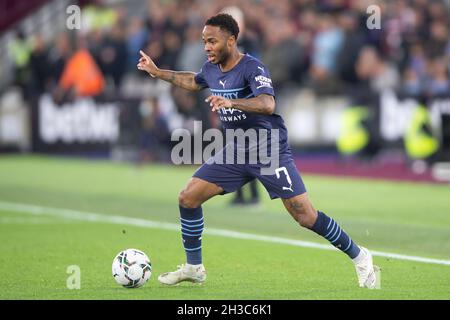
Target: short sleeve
column 200, row 78
column 259, row 78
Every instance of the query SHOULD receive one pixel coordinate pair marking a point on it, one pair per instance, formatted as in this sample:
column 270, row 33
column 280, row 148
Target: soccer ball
column 131, row 268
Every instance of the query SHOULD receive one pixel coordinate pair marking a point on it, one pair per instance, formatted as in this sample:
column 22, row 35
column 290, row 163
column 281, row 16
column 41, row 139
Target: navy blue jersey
column 248, row 79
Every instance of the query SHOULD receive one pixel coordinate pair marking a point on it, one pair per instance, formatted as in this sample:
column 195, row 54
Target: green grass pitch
column 37, row 247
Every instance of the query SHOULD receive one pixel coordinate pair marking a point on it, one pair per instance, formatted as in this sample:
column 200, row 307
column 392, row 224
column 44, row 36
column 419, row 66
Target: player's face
column 218, row 44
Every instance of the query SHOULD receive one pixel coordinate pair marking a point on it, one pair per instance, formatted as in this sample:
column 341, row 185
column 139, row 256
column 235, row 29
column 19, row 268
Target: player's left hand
column 217, row 102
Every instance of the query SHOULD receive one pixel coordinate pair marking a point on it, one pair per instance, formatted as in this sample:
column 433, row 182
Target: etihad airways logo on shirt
column 264, row 82
column 231, row 115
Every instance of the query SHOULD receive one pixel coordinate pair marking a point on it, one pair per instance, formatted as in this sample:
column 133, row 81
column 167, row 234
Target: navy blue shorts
column 285, row 182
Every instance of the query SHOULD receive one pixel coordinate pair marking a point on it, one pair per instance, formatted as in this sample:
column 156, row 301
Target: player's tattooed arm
column 262, row 104
column 183, row 79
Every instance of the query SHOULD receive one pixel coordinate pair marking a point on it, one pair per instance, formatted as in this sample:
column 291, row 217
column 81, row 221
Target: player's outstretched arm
column 183, row 79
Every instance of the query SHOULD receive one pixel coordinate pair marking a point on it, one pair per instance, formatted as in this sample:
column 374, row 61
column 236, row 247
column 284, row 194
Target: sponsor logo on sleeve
column 263, row 81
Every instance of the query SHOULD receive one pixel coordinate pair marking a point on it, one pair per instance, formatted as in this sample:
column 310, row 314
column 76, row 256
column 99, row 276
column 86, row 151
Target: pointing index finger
column 143, row 54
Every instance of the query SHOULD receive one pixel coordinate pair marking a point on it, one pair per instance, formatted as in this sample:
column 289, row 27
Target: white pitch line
column 96, row 217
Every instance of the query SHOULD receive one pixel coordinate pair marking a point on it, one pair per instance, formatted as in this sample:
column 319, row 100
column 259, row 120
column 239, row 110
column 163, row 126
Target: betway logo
column 81, row 121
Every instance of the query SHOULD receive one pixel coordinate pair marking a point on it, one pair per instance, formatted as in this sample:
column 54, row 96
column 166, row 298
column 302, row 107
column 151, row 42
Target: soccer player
column 243, row 97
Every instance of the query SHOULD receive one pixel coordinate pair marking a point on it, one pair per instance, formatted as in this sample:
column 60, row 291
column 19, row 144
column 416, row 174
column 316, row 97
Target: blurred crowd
column 326, row 45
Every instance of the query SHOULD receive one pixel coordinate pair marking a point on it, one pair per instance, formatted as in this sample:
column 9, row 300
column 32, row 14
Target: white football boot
column 185, row 272
column 366, row 271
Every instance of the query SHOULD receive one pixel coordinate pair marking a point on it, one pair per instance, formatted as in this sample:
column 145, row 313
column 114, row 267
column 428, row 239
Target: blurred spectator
column 40, row 67
column 156, row 20
column 354, row 40
column 136, row 39
column 438, row 81
column 81, row 75
column 20, row 52
column 376, row 71
column 112, row 55
column 418, row 60
column 437, row 9
column 326, row 46
column 171, row 48
column 284, row 56
column 155, row 133
column 307, row 22
column 439, row 37
column 98, row 17
column 412, row 85
column 177, row 19
column 394, row 27
column 58, row 56
column 191, row 57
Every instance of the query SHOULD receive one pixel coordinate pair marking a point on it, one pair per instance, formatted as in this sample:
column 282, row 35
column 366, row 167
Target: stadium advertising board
column 83, row 125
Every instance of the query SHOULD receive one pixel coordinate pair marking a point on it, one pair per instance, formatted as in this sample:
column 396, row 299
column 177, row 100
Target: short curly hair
column 225, row 22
